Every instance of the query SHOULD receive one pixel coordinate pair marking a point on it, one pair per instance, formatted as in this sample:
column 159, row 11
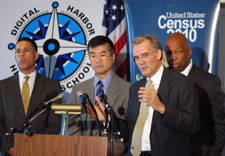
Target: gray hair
column 154, row 40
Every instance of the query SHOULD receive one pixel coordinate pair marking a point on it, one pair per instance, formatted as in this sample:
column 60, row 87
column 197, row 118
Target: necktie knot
column 26, row 78
column 149, row 83
column 100, row 84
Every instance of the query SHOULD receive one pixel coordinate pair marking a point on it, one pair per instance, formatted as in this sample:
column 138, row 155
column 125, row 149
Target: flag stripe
column 120, row 43
column 121, row 58
column 116, row 33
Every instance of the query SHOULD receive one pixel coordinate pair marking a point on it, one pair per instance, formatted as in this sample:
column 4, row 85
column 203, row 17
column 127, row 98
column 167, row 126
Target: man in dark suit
column 172, row 113
column 210, row 139
column 102, row 57
column 13, row 111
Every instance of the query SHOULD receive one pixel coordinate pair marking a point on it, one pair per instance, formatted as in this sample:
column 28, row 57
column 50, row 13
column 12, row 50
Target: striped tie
column 139, row 126
column 26, row 94
column 99, row 91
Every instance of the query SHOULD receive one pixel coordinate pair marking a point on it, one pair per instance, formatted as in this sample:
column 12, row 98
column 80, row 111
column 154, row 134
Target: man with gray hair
column 162, row 110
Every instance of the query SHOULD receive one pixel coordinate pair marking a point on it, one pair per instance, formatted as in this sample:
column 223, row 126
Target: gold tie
column 139, row 126
column 26, row 94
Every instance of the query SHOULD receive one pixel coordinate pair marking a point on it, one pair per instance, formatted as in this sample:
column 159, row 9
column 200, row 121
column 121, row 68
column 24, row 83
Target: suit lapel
column 16, row 84
column 113, row 89
column 137, row 105
column 16, row 87
column 193, row 74
column 163, row 92
column 91, row 90
column 38, row 88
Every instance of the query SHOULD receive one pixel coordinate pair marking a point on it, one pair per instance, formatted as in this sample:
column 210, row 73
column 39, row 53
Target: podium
column 57, row 145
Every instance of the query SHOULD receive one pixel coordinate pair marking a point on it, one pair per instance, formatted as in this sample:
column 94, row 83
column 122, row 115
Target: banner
column 61, row 30
column 196, row 19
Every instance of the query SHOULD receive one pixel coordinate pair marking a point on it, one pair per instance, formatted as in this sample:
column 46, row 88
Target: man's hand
column 99, row 110
column 150, row 96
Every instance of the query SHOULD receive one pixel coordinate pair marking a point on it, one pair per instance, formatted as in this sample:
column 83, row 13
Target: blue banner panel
column 196, row 19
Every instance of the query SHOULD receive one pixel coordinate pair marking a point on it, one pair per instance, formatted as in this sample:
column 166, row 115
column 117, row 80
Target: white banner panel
column 61, row 30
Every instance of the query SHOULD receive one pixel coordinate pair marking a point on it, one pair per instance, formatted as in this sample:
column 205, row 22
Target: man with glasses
column 162, row 110
column 23, row 93
column 105, row 81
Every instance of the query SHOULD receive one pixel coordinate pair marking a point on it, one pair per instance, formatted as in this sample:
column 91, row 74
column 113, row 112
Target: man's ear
column 114, row 57
column 36, row 56
column 159, row 54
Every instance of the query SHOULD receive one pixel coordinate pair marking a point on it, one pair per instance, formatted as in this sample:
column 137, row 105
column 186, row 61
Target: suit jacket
column 211, row 137
column 170, row 132
column 117, row 96
column 12, row 113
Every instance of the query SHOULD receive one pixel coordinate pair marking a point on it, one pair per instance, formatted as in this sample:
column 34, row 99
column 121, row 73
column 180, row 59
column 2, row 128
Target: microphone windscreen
column 121, row 111
column 81, row 97
column 61, row 96
column 79, row 93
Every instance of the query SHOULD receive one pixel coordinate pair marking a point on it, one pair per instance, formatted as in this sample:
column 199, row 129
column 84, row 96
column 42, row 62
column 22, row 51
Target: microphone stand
column 84, row 102
column 26, row 127
column 109, row 111
column 27, row 123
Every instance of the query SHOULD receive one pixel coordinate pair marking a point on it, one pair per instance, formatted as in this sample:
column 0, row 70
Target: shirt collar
column 187, row 69
column 105, row 81
column 31, row 75
column 156, row 78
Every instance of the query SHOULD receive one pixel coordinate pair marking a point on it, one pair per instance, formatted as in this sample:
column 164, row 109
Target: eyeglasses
column 143, row 56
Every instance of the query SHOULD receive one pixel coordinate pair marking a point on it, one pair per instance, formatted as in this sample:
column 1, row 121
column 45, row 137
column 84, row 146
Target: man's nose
column 173, row 56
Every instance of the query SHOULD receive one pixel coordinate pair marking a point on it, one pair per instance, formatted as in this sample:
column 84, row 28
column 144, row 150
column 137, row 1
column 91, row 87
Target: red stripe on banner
column 122, row 70
column 120, row 43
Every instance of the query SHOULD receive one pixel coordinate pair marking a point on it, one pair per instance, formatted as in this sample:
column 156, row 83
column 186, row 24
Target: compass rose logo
column 61, row 43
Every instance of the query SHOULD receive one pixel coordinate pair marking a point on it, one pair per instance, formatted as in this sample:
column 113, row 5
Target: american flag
column 114, row 23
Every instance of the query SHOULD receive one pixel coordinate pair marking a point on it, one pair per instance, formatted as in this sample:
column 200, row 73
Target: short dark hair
column 33, row 43
column 100, row 40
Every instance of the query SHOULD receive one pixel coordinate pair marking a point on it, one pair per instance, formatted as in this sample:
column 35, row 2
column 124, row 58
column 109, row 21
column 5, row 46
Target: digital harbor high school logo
column 62, row 42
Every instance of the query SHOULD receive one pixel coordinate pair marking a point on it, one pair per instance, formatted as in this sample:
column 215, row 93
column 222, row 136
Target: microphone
column 59, row 96
column 121, row 111
column 103, row 98
column 83, row 99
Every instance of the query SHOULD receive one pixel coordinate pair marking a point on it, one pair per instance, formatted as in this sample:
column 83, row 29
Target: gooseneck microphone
column 26, row 126
column 58, row 97
column 40, row 110
column 84, row 99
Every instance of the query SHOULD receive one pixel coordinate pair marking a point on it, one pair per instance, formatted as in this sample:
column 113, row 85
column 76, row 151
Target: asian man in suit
column 15, row 108
column 102, row 57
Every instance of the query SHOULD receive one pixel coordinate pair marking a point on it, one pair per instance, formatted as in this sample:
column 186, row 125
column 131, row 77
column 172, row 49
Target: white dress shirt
column 187, row 69
column 30, row 80
column 146, row 144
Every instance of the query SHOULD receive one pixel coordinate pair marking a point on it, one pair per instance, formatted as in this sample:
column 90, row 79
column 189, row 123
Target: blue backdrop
column 197, row 19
